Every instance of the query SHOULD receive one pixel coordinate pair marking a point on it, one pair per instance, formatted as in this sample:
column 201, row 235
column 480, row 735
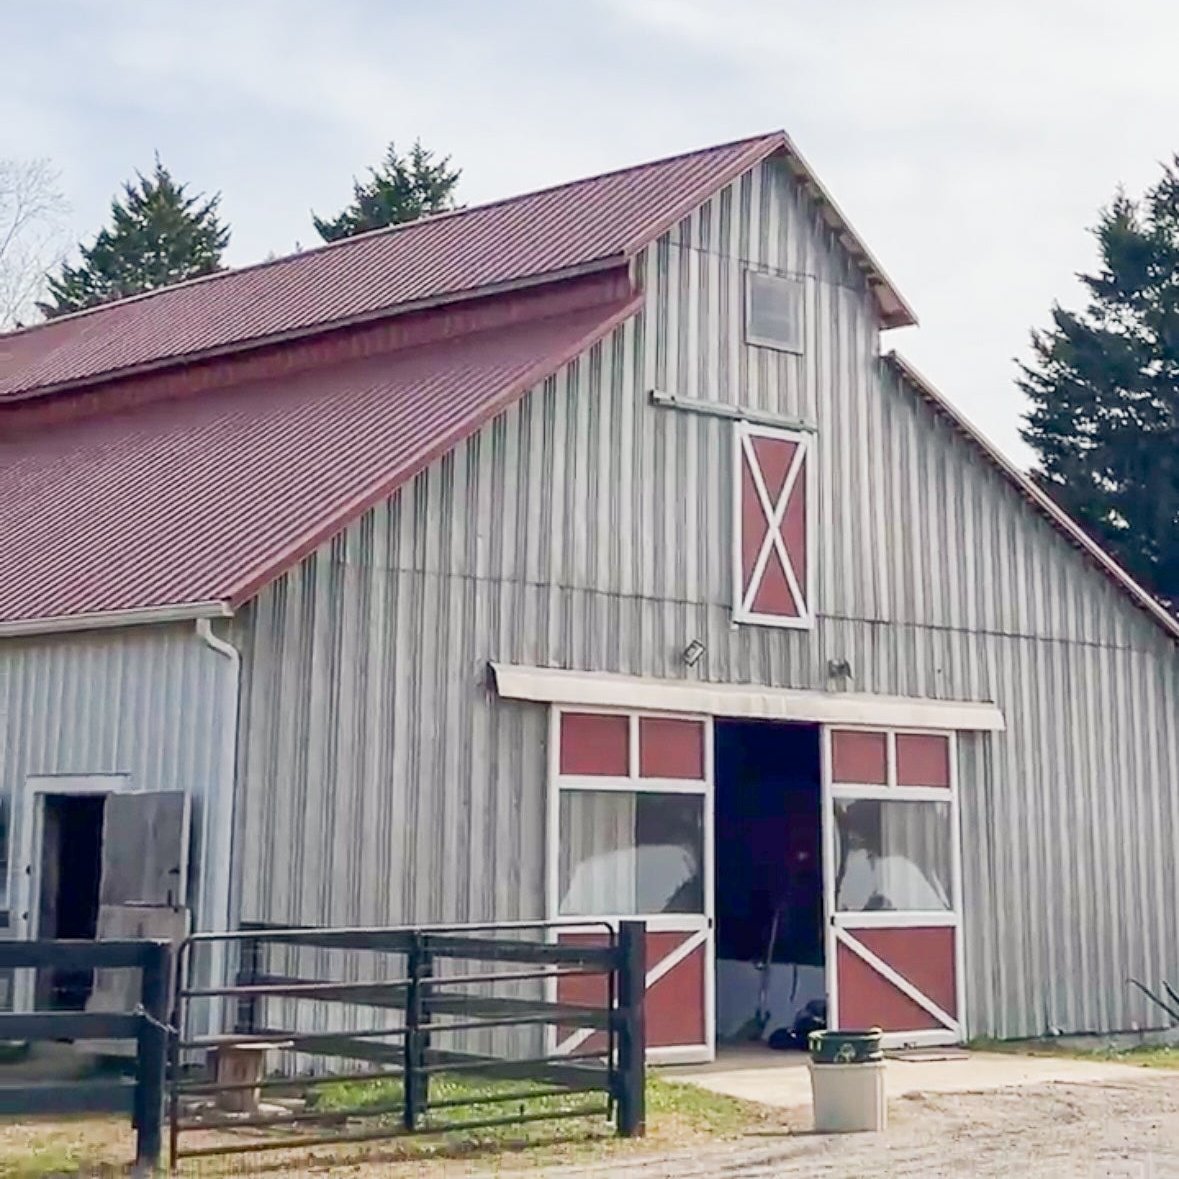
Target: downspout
column 217, row 845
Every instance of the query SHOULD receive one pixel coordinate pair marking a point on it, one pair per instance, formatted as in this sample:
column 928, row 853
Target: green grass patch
column 1144, row 1055
column 484, row 1098
column 42, row 1161
column 677, row 1114
column 674, row 1111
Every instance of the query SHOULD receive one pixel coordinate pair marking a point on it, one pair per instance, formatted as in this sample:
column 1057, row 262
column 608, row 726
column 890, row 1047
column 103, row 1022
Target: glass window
column 774, row 311
column 892, row 855
column 630, row 854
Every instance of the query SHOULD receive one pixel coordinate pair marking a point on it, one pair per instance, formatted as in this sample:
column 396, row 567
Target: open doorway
column 770, row 967
column 98, row 861
column 68, row 900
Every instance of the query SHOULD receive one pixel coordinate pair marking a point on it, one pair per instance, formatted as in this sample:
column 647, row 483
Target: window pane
column 631, row 854
column 892, row 855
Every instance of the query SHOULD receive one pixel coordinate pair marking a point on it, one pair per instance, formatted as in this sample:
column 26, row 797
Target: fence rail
column 142, row 1098
column 428, row 1007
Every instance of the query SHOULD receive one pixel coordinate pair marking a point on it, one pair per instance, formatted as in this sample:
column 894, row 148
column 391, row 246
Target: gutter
column 105, row 619
column 217, row 844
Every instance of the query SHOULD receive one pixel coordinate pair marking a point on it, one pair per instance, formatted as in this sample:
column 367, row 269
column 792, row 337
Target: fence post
column 152, row 1055
column 247, row 976
column 414, row 1081
column 631, row 1111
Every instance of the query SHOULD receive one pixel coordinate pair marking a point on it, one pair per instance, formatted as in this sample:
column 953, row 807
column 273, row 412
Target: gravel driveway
column 1124, row 1128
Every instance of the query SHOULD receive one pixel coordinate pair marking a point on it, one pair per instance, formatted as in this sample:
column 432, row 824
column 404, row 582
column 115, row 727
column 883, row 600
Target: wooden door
column 631, row 836
column 893, row 885
column 145, row 849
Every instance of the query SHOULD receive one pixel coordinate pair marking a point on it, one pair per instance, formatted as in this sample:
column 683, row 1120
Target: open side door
column 143, row 886
column 145, row 849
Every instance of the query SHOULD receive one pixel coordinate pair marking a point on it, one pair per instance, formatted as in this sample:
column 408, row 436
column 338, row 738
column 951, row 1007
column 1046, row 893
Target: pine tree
column 1104, row 387
column 158, row 235
column 402, row 189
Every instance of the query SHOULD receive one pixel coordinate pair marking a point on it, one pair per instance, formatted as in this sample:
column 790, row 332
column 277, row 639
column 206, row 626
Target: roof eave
column 113, row 619
column 36, row 392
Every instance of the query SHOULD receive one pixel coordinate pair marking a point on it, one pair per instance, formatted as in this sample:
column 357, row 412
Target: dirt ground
column 1124, row 1125
column 1125, row 1128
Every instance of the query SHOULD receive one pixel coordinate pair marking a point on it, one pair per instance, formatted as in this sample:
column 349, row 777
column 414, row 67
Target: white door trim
column 28, row 866
column 25, row 870
column 586, row 691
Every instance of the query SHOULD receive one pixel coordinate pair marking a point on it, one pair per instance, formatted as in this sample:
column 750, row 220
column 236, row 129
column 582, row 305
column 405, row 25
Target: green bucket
column 846, row 1047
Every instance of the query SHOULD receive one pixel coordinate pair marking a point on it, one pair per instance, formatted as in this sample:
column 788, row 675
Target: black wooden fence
column 428, row 1004
column 142, row 1097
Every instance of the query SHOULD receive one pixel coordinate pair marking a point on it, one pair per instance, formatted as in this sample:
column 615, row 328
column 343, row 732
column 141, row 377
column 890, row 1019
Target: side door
column 630, row 835
column 145, row 850
column 143, row 886
column 893, row 884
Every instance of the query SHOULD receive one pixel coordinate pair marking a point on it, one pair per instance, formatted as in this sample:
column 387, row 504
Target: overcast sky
column 970, row 143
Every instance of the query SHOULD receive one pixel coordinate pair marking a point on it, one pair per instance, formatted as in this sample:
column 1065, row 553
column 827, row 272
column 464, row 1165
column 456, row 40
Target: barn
column 583, row 554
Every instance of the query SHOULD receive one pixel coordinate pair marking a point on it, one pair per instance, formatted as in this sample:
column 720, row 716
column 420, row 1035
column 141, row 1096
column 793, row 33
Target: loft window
column 773, row 311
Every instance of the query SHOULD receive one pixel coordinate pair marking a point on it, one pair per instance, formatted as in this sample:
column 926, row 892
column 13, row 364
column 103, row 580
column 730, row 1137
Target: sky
column 970, row 144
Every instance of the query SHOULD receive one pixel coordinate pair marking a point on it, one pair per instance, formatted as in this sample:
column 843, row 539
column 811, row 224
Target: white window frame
column 631, row 783
column 804, row 462
column 759, row 341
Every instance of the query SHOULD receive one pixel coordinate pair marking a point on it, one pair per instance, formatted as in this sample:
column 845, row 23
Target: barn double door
column 630, row 819
column 631, row 835
column 893, row 883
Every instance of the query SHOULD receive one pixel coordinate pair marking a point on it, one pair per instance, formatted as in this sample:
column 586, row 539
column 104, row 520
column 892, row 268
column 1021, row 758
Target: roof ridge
column 387, row 230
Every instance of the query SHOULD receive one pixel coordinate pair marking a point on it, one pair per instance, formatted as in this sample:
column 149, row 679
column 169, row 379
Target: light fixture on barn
column 694, row 652
column 839, row 670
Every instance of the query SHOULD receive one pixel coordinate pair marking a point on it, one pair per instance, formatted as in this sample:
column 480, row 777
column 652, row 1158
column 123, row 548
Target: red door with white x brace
column 630, row 835
column 893, row 885
column 773, row 497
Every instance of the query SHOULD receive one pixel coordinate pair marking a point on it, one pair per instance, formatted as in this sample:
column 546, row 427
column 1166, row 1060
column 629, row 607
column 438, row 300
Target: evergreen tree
column 402, row 189
column 158, row 235
column 1104, row 387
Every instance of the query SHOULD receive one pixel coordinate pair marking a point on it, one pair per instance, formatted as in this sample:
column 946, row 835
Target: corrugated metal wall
column 150, row 702
column 587, row 528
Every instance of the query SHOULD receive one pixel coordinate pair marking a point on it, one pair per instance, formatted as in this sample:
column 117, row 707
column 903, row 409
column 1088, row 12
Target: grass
column 1165, row 1056
column 677, row 1115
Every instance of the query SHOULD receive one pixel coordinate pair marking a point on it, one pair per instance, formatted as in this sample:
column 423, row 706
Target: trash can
column 847, row 1081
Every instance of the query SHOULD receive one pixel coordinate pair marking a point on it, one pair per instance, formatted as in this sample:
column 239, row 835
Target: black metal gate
column 405, row 1005
column 141, row 1096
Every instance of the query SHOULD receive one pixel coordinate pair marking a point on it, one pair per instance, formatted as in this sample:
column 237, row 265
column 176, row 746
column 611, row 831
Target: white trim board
column 548, row 685
column 107, row 619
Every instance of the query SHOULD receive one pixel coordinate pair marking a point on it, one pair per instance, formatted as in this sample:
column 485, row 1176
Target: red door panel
column 923, row 957
column 675, row 1008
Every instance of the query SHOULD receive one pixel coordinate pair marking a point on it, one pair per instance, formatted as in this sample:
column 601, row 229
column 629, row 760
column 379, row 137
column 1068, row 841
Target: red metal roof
column 567, row 229
column 206, row 497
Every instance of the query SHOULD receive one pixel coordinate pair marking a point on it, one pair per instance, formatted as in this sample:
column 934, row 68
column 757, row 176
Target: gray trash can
column 847, row 1081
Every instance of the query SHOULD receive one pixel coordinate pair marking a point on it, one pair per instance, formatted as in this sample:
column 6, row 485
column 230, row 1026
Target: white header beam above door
column 606, row 690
